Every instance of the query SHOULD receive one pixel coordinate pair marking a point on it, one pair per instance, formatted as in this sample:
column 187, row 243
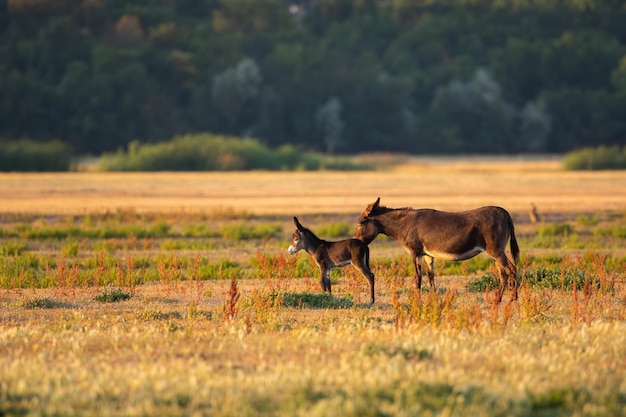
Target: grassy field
column 173, row 294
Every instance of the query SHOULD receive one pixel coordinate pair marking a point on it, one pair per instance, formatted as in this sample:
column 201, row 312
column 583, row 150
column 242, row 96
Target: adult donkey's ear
column 371, row 207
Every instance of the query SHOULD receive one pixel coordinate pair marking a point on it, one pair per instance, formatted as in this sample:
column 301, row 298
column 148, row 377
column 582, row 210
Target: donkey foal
column 328, row 255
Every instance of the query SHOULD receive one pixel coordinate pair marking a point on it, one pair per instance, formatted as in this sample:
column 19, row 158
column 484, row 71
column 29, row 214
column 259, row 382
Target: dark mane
column 383, row 210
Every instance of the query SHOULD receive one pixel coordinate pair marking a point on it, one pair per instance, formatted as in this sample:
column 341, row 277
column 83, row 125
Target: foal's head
column 367, row 228
column 297, row 239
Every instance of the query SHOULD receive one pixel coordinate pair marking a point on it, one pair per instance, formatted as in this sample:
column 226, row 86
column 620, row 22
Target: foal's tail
column 513, row 242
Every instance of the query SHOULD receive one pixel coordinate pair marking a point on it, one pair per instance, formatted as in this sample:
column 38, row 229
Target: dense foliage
column 602, row 157
column 28, row 155
column 331, row 75
column 205, row 152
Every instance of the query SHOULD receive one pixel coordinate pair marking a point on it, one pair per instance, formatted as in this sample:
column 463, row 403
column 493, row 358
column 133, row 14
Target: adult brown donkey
column 328, row 255
column 431, row 234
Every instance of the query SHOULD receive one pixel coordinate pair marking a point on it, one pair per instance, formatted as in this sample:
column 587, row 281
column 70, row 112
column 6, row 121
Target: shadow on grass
column 314, row 301
column 41, row 303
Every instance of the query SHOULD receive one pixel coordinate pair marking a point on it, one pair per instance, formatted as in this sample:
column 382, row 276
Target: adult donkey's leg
column 507, row 274
column 417, row 267
column 512, row 272
column 430, row 269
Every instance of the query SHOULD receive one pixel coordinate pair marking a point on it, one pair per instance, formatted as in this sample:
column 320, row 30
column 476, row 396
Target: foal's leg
column 362, row 264
column 430, row 269
column 328, row 285
column 325, row 280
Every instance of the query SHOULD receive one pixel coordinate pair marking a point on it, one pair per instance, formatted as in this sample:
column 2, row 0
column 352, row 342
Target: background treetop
column 450, row 76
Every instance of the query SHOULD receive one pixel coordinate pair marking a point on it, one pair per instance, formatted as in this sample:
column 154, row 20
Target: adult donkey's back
column 430, row 234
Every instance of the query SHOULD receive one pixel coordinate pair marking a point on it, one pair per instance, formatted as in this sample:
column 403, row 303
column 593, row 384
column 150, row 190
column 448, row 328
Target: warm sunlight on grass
column 174, row 294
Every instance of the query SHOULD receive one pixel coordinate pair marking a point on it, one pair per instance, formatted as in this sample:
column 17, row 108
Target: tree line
column 336, row 76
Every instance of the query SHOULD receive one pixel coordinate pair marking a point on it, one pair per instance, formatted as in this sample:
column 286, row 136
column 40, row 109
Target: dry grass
column 168, row 351
column 442, row 184
column 228, row 347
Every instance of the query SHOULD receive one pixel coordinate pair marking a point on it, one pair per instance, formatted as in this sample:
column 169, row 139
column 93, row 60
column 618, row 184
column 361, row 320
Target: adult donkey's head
column 368, row 228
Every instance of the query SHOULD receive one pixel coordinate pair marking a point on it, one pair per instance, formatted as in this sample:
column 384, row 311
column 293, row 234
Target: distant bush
column 248, row 232
column 555, row 229
column 222, row 269
column 602, row 157
column 207, row 152
column 13, row 248
column 614, row 231
column 585, row 220
column 334, row 230
column 30, row 156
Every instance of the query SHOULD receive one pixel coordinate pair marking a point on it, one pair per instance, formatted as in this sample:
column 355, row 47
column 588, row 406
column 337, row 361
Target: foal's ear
column 297, row 223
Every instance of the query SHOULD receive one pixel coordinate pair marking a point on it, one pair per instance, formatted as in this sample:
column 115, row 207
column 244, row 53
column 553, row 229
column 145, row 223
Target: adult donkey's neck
column 392, row 221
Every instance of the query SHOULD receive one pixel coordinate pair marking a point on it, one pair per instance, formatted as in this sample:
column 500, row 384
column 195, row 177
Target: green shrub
column 477, row 263
column 305, row 267
column 222, row 269
column 70, row 249
column 248, row 231
column 487, row 281
column 554, row 229
column 159, row 315
column 556, row 279
column 312, row 300
column 334, row 230
column 614, row 231
column 112, row 296
column 207, row 152
column 537, row 278
column 13, row 248
column 399, row 266
column 601, row 157
column 585, row 220
column 42, row 302
column 29, row 156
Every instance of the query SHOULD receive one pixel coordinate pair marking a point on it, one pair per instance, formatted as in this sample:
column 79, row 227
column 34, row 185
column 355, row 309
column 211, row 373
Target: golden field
column 194, row 345
column 442, row 184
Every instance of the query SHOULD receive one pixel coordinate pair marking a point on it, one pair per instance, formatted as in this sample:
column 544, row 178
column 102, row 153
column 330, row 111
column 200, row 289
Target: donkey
column 431, row 234
column 328, row 255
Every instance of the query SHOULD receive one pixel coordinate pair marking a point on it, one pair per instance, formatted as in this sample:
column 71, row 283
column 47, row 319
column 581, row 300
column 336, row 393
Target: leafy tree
column 329, row 124
column 535, row 127
column 412, row 76
column 234, row 92
column 471, row 117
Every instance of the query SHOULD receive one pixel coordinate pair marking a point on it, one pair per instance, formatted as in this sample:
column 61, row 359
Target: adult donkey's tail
column 513, row 242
